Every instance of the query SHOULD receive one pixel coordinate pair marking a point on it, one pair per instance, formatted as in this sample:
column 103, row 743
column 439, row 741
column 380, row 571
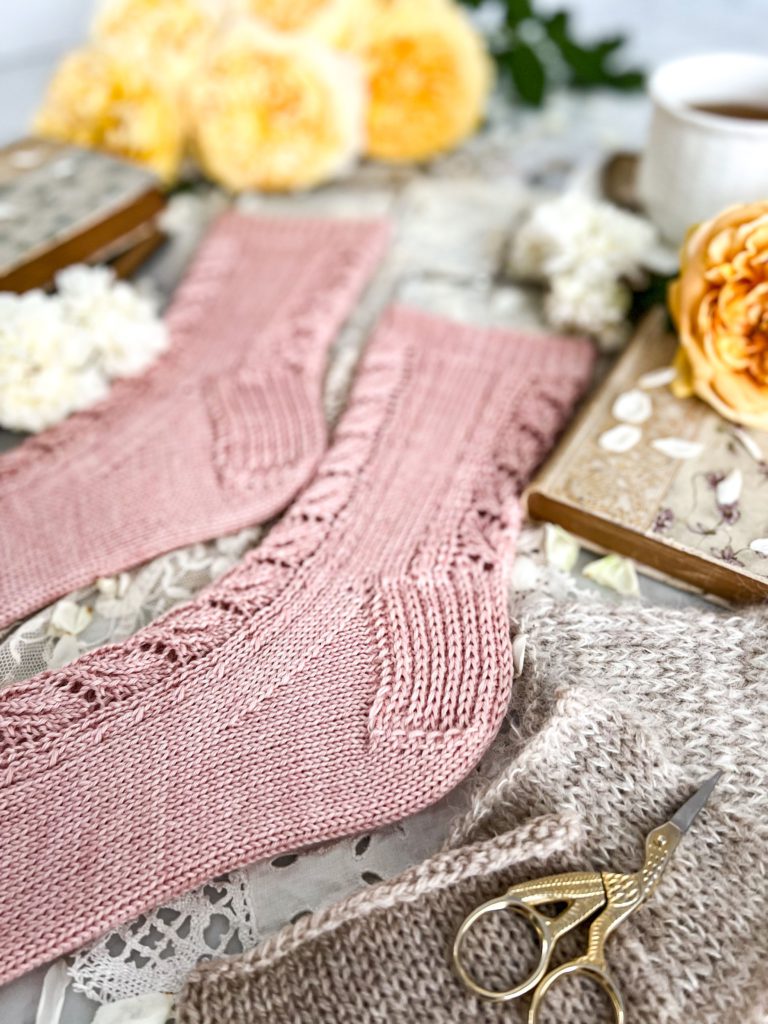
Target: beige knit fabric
column 618, row 714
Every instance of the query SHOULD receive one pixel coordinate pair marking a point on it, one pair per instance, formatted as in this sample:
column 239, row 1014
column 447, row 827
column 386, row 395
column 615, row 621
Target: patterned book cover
column 61, row 204
column 688, row 494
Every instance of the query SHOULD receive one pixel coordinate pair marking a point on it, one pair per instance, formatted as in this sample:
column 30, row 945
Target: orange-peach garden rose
column 720, row 306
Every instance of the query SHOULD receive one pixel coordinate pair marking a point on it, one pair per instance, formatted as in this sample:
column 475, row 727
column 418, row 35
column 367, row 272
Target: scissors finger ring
column 574, row 967
column 538, row 922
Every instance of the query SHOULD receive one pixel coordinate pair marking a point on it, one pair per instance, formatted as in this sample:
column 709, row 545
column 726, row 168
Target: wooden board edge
column 651, row 323
column 126, row 263
column 705, row 576
column 81, row 247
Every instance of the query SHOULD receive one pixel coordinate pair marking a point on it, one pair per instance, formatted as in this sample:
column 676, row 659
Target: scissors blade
column 684, row 817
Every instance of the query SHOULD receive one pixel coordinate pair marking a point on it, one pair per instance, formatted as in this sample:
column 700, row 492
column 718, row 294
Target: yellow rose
column 276, row 112
column 327, row 19
column 171, row 34
column 720, row 306
column 104, row 100
column 429, row 76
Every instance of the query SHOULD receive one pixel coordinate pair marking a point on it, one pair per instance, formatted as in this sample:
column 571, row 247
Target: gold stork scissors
column 584, row 893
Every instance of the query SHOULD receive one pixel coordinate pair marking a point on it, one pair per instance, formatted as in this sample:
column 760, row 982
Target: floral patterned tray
column 662, row 480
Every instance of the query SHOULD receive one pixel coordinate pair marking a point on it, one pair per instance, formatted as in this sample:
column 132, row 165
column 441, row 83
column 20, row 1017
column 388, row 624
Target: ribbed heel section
column 444, row 652
column 262, row 421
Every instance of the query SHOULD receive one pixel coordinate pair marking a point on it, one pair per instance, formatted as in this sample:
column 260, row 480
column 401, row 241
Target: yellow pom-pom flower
column 276, row 112
column 104, row 100
column 429, row 76
column 172, row 35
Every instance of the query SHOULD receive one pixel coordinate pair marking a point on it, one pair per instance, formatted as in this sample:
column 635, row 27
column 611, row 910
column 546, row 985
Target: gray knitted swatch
column 618, row 714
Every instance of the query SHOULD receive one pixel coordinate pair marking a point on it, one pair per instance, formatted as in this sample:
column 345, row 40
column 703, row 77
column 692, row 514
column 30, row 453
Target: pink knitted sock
column 219, row 434
column 349, row 672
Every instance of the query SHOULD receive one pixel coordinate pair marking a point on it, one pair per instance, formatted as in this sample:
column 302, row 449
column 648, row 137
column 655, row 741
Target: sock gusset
column 444, row 657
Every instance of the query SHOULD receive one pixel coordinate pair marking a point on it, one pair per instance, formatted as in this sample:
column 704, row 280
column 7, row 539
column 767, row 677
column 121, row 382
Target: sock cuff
column 532, row 379
column 527, row 352
column 287, row 276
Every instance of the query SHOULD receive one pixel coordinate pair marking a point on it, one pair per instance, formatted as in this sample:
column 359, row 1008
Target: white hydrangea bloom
column 58, row 352
column 586, row 251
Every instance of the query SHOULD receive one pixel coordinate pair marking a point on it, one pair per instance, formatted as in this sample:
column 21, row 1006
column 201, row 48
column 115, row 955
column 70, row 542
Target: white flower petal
column 677, row 447
column 728, row 491
column 518, row 653
column 66, row 650
column 107, row 585
column 615, row 573
column 760, row 546
column 657, row 378
column 54, row 990
column 749, row 444
column 632, row 407
column 620, row 439
column 526, row 575
column 70, row 618
column 153, row 1008
column 560, row 547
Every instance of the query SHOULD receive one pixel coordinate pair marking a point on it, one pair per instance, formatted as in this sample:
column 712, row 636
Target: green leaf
column 582, row 66
column 527, row 72
column 653, row 293
column 518, row 11
column 589, row 65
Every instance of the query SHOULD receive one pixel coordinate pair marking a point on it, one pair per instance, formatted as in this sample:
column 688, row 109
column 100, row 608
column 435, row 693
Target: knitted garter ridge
column 219, row 434
column 349, row 672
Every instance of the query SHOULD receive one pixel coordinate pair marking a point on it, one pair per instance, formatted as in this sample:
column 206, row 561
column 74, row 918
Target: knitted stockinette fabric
column 221, row 433
column 348, row 673
column 619, row 714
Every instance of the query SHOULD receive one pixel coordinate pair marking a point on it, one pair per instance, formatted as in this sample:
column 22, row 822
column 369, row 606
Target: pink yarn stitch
column 221, row 433
column 347, row 673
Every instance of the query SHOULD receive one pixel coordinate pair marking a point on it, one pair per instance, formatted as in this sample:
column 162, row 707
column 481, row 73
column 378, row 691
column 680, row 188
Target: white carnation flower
column 597, row 306
column 575, row 233
column 586, row 251
column 59, row 352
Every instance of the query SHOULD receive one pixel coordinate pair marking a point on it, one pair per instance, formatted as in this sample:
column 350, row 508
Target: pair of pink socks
column 351, row 670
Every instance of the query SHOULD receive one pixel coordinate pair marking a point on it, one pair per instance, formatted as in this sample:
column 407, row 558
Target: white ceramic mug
column 697, row 163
